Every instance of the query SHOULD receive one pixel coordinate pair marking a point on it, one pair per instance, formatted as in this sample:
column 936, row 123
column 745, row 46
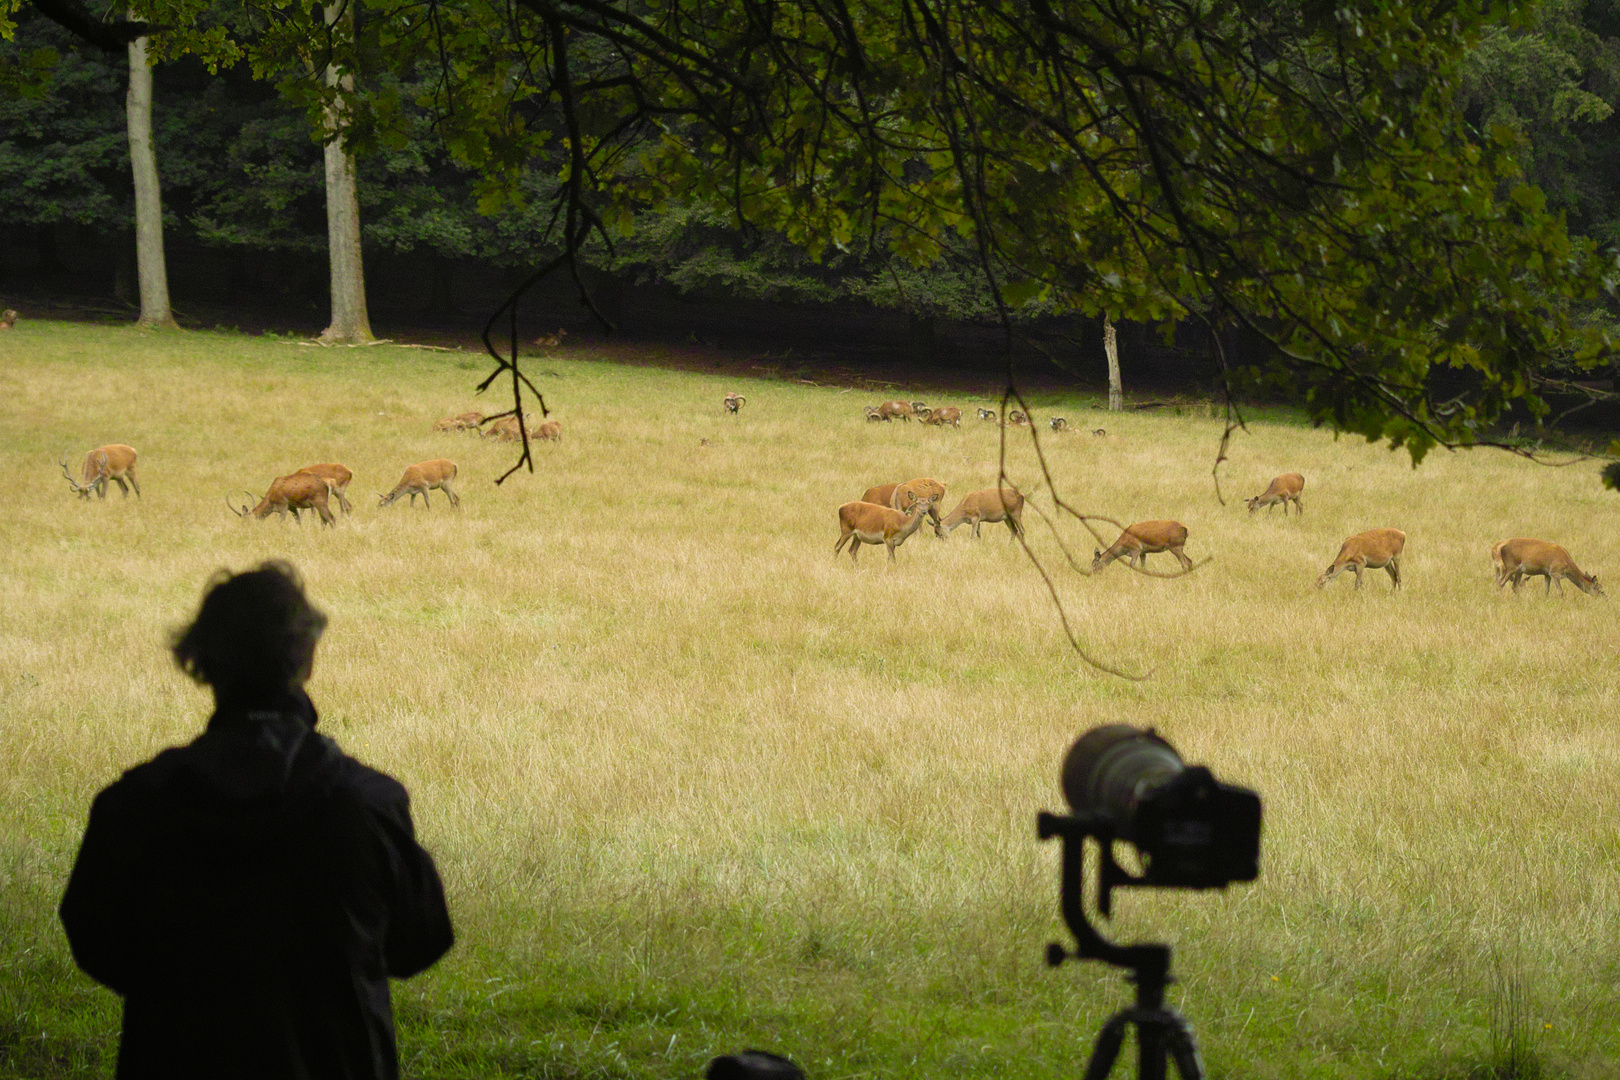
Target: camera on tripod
column 1189, row 830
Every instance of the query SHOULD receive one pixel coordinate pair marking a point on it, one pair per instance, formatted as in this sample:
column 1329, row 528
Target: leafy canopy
column 1302, row 169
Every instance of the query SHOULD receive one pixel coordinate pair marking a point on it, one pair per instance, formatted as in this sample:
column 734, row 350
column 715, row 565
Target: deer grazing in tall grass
column 1145, row 538
column 1283, row 489
column 1523, row 557
column 115, row 462
column 868, row 523
column 990, row 505
column 467, row 421
column 419, row 479
column 337, row 476
column 1371, row 550
column 891, row 409
column 945, row 414
column 299, row 491
column 733, row 402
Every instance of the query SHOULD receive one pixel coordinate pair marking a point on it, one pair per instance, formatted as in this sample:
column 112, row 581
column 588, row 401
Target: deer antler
column 74, row 484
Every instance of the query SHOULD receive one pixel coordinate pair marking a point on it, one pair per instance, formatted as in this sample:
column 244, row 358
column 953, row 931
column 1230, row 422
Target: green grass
column 694, row 784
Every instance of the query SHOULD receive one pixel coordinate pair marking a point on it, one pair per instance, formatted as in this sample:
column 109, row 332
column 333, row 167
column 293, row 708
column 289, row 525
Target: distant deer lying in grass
column 1370, row 550
column 987, row 414
column 300, row 491
column 1283, row 489
column 868, row 523
column 551, row 341
column 1522, row 557
column 1017, row 418
column 338, row 476
column 1145, row 538
column 990, row 505
column 419, row 478
column 115, row 462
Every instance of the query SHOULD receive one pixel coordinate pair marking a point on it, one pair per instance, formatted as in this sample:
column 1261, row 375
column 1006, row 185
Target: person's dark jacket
column 249, row 896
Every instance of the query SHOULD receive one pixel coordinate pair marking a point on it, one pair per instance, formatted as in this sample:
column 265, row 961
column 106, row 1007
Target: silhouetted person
column 250, row 894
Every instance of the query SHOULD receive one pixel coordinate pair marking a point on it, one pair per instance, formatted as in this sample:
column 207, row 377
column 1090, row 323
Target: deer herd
column 887, row 514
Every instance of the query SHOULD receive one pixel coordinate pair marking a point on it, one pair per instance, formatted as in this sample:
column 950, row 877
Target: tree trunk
column 1116, row 392
column 351, row 325
column 150, row 269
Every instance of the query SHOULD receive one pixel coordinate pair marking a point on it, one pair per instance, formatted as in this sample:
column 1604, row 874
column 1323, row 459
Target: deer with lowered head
column 869, row 523
column 115, row 462
column 1145, row 538
column 1523, row 557
column 299, row 491
column 1283, row 489
column 945, row 414
column 1372, row 550
column 891, row 409
column 467, row 421
column 990, row 505
column 337, row 476
column 419, row 479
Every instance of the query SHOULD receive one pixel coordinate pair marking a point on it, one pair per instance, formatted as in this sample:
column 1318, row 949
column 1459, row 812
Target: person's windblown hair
column 255, row 631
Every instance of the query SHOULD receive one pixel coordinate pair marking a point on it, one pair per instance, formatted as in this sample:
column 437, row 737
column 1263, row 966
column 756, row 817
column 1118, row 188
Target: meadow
column 694, row 784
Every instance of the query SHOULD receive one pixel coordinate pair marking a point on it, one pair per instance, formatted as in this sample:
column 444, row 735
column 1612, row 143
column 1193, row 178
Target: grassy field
column 694, row 784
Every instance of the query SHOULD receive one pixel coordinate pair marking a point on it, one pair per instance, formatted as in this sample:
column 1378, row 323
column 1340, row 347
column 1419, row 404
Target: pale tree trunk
column 351, row 325
column 150, row 269
column 1116, row 392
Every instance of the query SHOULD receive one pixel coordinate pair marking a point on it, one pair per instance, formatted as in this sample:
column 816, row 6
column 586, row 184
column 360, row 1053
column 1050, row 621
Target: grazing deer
column 874, row 413
column 419, row 478
column 504, row 429
column 1522, row 557
column 300, row 491
column 1145, row 538
column 987, row 414
column 945, row 414
column 467, row 421
column 913, row 491
column 549, row 430
column 8, row 319
column 337, row 476
column 733, row 402
column 1368, row 551
column 869, row 523
column 891, row 409
column 990, row 505
column 115, row 462
column 883, row 494
column 1283, row 489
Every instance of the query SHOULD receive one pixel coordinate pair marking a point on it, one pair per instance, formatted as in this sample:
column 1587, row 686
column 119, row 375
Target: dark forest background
column 245, row 224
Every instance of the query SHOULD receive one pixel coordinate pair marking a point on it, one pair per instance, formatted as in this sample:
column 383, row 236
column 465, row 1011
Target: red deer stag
column 1284, row 489
column 1522, row 557
column 869, row 523
column 1145, row 538
column 115, row 462
column 419, row 478
column 299, row 491
column 1370, row 550
column 990, row 505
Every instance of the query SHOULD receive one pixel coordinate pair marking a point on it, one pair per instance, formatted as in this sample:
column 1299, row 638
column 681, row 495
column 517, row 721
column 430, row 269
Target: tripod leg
column 1106, row 1051
column 1183, row 1050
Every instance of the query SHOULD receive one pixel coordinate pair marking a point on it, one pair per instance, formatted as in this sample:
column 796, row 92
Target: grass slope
column 694, row 784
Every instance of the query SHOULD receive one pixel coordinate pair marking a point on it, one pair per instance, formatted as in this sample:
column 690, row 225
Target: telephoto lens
column 1192, row 831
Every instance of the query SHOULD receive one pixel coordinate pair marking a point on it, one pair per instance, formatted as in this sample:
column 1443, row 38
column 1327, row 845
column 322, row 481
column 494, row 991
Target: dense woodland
column 1335, row 204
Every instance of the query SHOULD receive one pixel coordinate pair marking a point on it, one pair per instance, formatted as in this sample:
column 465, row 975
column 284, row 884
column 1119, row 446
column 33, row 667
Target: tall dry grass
column 693, row 782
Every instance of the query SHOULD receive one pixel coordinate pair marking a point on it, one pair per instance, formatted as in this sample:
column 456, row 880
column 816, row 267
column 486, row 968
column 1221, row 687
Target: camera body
column 1191, row 830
